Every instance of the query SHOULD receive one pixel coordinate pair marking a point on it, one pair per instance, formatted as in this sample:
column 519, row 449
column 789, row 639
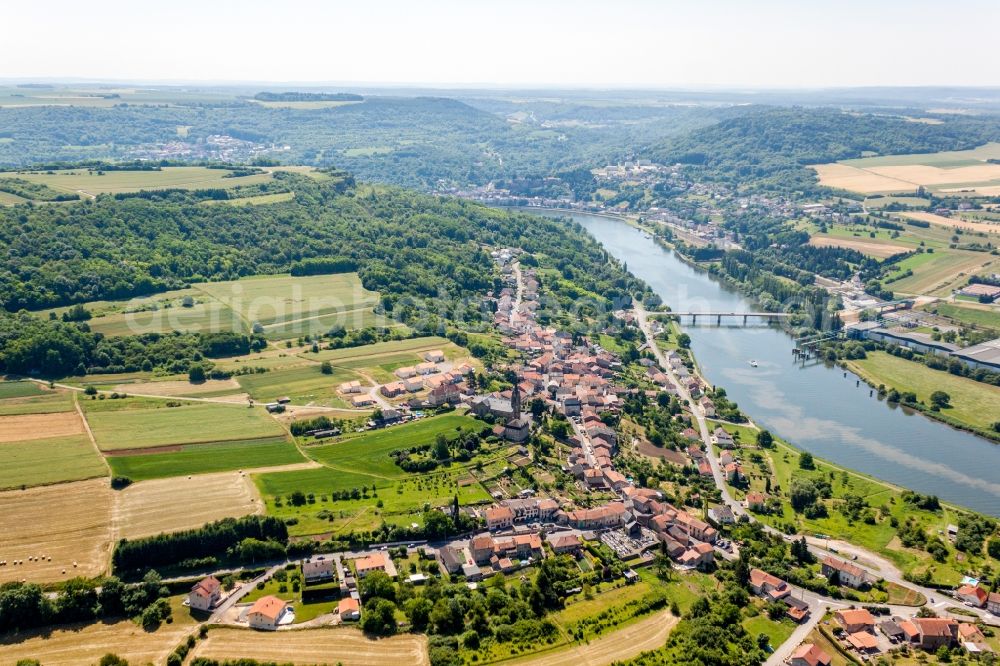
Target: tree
column 806, row 461
column 764, row 439
column 326, row 368
column 940, row 399
column 379, row 617
column 684, row 341
column 377, row 584
column 441, row 449
column 196, row 374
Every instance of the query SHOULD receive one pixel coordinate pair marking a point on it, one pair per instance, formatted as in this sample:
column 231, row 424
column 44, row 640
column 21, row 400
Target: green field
column 403, row 500
column 19, row 389
column 988, row 318
column 259, row 200
column 369, row 452
column 203, row 458
column 380, row 359
column 304, row 384
column 285, row 306
column 50, row 403
column 90, row 183
column 938, row 273
column 973, row 403
column 190, row 423
column 44, row 461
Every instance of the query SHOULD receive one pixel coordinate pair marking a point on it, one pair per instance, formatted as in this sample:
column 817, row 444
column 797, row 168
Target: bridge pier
column 718, row 321
column 745, row 319
column 694, row 319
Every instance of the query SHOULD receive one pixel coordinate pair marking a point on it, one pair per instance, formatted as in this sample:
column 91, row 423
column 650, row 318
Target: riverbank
column 974, row 406
column 810, row 404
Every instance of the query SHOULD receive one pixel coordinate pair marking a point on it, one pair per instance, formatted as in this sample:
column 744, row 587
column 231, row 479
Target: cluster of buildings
column 437, row 382
column 215, row 147
column 985, row 355
column 774, row 589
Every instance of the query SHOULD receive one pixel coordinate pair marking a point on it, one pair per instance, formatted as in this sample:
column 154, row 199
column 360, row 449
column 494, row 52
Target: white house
column 267, row 613
column 205, row 594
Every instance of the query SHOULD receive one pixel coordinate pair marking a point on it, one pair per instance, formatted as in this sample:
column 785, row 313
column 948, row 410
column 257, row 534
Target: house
column 434, row 356
column 565, row 543
column 413, row 384
column 972, row 595
column 707, row 406
column 318, row 569
column 205, row 594
column 392, row 389
column 970, row 633
column 847, row 574
column 445, row 393
column 499, row 518
column 756, row 501
column 892, row 630
column 349, row 608
column 426, row 368
column 452, row 559
column 863, row 641
column 362, row 401
column 351, row 387
column 933, row 632
column 722, row 515
column 699, row 556
column 405, row 372
column 267, row 613
column 609, row 515
column 768, row 586
column 808, row 654
column 993, row 603
column 374, row 562
column 797, row 610
column 854, row 620
column 734, row 473
column 481, row 548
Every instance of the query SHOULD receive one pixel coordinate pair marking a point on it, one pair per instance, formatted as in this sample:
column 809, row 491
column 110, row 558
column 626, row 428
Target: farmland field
column 344, row 645
column 27, row 427
column 974, row 315
column 49, row 460
column 19, row 389
column 72, row 645
column 944, row 172
column 953, row 223
column 379, row 360
column 189, row 423
column 938, row 273
column 204, row 458
column 305, row 384
column 49, row 402
column 274, row 299
column 871, row 247
column 188, row 177
column 179, row 503
column 70, row 522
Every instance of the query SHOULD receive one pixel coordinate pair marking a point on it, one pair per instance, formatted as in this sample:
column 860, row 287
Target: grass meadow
column 157, row 425
column 51, row 460
column 205, row 458
column 90, row 182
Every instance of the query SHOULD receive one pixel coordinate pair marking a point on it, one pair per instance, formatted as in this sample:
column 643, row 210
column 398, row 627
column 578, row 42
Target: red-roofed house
column 266, row 613
column 972, row 595
column 809, row 654
column 349, row 608
column 205, row 594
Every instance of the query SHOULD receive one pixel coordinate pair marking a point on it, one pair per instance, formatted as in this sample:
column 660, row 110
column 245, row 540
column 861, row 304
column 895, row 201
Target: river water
column 813, row 406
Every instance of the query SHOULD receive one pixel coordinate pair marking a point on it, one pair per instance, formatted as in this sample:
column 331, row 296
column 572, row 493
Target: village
column 577, row 379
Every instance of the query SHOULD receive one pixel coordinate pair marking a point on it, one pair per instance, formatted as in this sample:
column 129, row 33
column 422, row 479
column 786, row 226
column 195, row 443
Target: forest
column 766, row 148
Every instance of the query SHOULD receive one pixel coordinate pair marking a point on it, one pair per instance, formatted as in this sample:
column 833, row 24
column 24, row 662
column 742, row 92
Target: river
column 814, row 406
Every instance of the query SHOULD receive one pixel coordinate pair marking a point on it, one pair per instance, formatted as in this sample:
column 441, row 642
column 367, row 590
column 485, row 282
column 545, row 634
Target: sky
column 539, row 43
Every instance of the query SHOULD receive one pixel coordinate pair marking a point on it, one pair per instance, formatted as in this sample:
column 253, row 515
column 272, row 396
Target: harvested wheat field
column 951, row 222
column 69, row 522
column 170, row 388
column 844, row 177
column 871, row 248
column 183, row 502
column 925, row 174
column 87, row 644
column 26, row 427
column 648, row 634
column 346, row 646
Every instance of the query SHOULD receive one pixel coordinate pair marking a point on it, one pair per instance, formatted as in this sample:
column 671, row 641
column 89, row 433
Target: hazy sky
column 777, row 43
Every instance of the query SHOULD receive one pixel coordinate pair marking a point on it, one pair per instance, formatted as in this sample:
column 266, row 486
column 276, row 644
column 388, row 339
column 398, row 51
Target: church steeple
column 515, row 399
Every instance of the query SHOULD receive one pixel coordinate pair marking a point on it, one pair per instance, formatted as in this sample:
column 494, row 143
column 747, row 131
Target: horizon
column 639, row 44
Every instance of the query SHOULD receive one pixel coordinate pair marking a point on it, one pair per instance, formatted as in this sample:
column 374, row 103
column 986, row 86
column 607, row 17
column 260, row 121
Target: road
column 876, row 566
